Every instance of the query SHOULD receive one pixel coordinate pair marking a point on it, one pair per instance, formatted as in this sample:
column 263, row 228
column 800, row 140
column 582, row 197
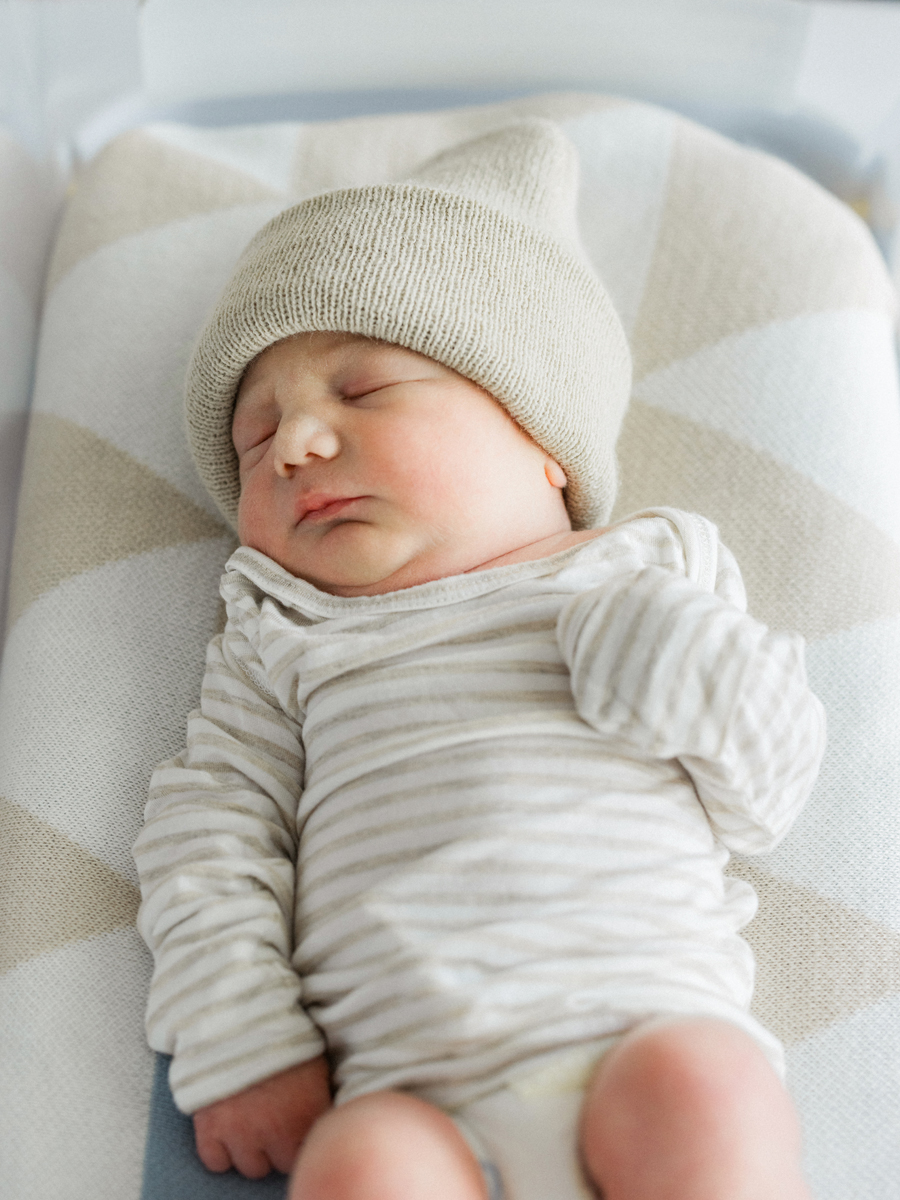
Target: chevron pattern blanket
column 765, row 397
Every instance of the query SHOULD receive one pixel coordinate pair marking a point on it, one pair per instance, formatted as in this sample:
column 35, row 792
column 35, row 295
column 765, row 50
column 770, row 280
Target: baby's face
column 366, row 467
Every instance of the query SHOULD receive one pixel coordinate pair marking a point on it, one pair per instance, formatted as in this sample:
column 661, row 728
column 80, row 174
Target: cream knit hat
column 474, row 262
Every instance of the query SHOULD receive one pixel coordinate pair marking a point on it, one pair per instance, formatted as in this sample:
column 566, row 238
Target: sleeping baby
column 436, row 893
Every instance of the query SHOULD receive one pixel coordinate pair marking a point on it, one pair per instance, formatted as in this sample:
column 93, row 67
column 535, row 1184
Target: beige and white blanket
column 765, row 397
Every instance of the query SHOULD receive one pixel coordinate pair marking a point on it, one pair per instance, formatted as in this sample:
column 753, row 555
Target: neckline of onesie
column 298, row 593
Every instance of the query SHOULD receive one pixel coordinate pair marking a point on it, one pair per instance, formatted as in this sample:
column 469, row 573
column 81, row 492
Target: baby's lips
column 321, row 506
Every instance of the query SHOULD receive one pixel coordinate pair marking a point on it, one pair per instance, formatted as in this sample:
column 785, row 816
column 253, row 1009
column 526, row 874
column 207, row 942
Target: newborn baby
column 435, row 891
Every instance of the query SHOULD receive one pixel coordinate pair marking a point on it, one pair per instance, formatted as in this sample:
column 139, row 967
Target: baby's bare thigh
column 390, row 1145
column 690, row 1107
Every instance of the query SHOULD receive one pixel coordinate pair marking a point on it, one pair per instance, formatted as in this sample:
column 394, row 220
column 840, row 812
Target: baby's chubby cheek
column 258, row 525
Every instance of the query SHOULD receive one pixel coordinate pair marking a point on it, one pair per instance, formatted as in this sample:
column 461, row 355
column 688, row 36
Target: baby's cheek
column 254, row 515
column 439, row 470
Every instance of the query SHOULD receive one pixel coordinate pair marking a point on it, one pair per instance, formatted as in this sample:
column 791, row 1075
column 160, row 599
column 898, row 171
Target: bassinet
column 762, row 322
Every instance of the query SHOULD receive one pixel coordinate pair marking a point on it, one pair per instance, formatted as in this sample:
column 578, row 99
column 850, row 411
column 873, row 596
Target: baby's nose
column 302, row 439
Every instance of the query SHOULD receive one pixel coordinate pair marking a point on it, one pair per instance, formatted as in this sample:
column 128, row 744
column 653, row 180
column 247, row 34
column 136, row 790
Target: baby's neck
column 540, row 549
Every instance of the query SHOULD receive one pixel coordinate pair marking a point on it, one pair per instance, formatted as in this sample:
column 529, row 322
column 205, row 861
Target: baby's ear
column 555, row 474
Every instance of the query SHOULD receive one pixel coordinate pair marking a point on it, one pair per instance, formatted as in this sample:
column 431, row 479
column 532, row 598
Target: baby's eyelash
column 256, row 440
column 369, row 391
column 358, row 392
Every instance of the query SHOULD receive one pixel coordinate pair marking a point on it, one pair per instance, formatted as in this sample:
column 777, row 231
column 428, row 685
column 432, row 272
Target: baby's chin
column 354, row 558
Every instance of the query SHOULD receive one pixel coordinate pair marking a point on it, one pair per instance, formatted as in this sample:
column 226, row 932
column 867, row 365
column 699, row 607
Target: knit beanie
column 473, row 261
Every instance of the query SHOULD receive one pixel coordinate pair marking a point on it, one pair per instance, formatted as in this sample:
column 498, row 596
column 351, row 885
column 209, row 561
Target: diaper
column 525, row 1134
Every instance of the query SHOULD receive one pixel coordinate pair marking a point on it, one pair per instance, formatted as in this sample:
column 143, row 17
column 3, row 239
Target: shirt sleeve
column 216, row 860
column 673, row 671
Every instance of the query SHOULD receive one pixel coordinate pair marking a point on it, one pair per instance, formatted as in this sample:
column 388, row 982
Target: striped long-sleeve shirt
column 447, row 830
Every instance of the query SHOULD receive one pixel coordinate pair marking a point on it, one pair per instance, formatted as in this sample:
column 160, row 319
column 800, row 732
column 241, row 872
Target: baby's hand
column 263, row 1126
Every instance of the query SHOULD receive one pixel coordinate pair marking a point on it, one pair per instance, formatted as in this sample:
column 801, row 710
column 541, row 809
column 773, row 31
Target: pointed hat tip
column 527, row 168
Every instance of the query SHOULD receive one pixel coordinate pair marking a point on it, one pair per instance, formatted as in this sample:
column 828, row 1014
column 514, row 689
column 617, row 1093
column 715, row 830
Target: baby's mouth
column 316, row 508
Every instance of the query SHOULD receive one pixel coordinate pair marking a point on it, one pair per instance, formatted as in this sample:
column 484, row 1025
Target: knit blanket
column 27, row 197
column 765, row 397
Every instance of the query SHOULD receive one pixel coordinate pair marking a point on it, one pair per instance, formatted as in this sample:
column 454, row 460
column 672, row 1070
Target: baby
column 435, row 892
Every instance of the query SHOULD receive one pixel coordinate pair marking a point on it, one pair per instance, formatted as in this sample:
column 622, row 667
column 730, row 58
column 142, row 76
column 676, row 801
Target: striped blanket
column 765, row 397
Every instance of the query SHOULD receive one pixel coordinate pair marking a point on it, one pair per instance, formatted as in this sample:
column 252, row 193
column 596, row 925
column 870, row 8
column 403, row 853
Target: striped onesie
column 450, row 830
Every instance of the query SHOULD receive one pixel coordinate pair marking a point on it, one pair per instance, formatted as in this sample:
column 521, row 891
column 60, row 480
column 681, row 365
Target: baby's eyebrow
column 366, row 373
column 247, row 392
column 390, row 359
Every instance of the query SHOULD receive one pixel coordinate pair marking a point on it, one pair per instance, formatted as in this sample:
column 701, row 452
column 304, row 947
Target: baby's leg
column 690, row 1109
column 386, row 1146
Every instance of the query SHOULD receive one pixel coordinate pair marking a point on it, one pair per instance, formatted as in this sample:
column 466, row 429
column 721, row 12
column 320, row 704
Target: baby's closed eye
column 361, row 391
column 251, row 445
column 255, row 438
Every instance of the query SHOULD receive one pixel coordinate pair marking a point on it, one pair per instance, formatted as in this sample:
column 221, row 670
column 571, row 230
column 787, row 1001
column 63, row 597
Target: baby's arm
column 676, row 672
column 216, row 862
